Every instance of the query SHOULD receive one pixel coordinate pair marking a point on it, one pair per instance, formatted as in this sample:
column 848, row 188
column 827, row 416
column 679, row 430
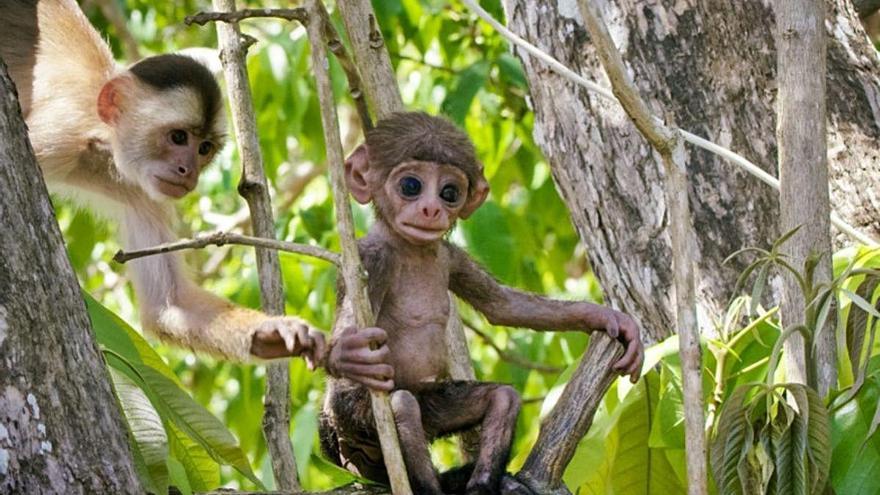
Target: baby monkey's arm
column 510, row 307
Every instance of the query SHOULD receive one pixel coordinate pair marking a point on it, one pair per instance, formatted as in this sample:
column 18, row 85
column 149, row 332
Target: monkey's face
column 165, row 141
column 421, row 200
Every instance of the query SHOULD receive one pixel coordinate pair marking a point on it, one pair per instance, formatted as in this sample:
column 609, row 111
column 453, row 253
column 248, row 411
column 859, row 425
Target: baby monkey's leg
column 414, row 443
column 456, row 406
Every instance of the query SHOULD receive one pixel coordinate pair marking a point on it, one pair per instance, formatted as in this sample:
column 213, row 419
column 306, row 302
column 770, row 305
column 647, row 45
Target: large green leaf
column 130, row 354
column 728, row 445
column 202, row 472
column 470, row 81
column 195, row 421
column 855, row 460
column 817, row 434
column 146, row 428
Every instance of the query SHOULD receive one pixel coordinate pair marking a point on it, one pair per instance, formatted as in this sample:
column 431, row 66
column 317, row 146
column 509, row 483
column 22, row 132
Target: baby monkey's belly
column 418, row 354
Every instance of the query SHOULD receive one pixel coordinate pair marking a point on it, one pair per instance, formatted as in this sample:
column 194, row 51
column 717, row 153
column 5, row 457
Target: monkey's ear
column 357, row 166
column 476, row 198
column 110, row 99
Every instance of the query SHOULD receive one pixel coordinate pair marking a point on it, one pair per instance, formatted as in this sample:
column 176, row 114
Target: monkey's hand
column 622, row 327
column 284, row 337
column 362, row 356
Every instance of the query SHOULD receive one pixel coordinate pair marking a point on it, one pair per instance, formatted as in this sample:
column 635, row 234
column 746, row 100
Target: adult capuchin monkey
column 127, row 142
column 421, row 174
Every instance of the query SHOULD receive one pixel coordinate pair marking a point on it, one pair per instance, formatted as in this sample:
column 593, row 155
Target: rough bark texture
column 571, row 418
column 254, row 188
column 669, row 145
column 712, row 65
column 803, row 174
column 61, row 430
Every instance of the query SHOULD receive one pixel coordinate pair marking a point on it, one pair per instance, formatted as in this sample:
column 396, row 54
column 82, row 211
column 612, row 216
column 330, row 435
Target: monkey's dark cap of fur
column 174, row 71
column 406, row 136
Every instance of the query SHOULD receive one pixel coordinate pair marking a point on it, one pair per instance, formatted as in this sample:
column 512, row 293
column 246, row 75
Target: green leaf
column 861, row 303
column 146, row 428
column 178, row 476
column 202, row 472
column 196, row 422
column 855, row 459
column 470, row 81
column 818, row 435
column 728, row 445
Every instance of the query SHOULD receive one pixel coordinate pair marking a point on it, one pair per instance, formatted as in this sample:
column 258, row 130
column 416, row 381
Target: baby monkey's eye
column 410, row 187
column 450, row 193
column 205, row 147
column 178, row 137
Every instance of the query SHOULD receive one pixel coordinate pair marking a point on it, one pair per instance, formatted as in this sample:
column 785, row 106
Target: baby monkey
column 421, row 174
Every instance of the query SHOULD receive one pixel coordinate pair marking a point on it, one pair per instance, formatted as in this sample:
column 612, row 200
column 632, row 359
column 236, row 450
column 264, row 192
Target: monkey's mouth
column 424, row 233
column 176, row 190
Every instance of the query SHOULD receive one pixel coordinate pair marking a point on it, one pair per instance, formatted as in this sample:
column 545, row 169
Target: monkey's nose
column 431, row 211
column 184, row 170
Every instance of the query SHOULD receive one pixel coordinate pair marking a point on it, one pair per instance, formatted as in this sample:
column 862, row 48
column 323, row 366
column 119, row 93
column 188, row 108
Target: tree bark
column 254, row 187
column 712, row 66
column 61, row 430
column 803, row 173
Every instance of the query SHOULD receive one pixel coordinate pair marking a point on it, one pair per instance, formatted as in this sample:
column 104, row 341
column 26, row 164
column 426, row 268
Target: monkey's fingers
column 629, row 358
column 365, row 337
column 365, row 355
column 380, row 372
column 371, row 383
column 612, row 326
column 318, row 353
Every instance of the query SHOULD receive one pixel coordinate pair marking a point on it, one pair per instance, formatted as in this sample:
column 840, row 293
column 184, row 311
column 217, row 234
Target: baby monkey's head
column 420, row 172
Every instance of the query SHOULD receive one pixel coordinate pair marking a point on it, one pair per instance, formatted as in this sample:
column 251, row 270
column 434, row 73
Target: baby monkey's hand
column 622, row 327
column 362, row 356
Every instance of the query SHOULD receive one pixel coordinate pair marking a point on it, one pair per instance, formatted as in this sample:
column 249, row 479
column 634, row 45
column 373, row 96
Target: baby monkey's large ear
column 357, row 169
column 476, row 197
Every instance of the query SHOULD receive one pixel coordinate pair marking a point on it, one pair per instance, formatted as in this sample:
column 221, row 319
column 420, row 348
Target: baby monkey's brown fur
column 421, row 174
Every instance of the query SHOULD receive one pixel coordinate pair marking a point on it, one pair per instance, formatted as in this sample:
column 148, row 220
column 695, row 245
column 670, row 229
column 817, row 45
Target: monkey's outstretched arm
column 510, row 307
column 503, row 305
column 176, row 309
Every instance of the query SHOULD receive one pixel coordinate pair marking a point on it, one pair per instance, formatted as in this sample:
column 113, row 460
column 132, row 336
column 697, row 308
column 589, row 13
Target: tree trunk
column 803, row 173
column 712, row 65
column 61, row 430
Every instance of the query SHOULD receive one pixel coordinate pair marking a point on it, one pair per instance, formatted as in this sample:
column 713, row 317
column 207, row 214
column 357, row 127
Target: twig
column 223, row 238
column 254, row 188
column 234, row 17
column 738, row 160
column 511, row 357
column 669, row 145
column 351, row 269
column 355, row 86
column 371, row 57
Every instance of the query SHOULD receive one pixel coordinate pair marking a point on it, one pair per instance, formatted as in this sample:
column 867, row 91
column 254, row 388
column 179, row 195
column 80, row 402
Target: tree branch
column 202, row 18
column 352, row 270
column 511, row 357
column 223, row 238
column 689, row 137
column 669, row 145
column 254, row 188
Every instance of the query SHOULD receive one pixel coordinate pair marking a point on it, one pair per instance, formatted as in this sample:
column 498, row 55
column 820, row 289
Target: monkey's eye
column 450, row 193
column 205, row 147
column 410, row 187
column 178, row 137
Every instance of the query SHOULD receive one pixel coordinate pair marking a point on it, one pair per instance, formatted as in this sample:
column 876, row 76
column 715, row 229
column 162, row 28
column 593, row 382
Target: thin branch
column 355, row 86
column 351, row 269
column 681, row 231
column 202, row 18
column 223, row 238
column 511, row 357
column 254, row 187
column 738, row 160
